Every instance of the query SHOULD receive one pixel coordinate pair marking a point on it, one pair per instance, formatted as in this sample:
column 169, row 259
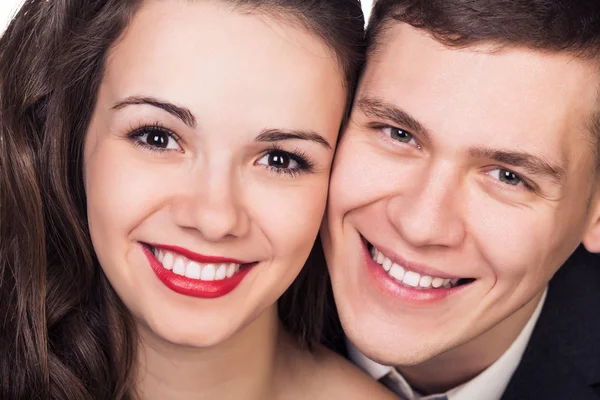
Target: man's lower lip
column 392, row 287
column 194, row 287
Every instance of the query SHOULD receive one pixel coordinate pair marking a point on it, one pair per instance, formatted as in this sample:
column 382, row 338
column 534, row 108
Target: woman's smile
column 193, row 274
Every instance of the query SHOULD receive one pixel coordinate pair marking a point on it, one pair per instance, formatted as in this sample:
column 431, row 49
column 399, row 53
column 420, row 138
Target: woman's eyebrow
column 187, row 117
column 276, row 135
column 182, row 113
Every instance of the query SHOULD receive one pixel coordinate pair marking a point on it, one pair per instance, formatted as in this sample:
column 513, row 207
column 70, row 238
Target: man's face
column 463, row 182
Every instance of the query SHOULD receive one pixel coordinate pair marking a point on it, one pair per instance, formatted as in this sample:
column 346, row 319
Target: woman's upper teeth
column 410, row 278
column 205, row 272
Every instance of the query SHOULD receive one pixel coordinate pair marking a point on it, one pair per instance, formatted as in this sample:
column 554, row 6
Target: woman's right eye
column 156, row 138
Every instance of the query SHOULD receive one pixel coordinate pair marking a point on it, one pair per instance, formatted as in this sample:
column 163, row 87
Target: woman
column 164, row 171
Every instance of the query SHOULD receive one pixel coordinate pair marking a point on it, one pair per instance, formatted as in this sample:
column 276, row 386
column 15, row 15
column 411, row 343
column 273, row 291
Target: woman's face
column 207, row 163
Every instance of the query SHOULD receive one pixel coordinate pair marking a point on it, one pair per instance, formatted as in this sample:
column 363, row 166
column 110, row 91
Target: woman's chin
column 186, row 335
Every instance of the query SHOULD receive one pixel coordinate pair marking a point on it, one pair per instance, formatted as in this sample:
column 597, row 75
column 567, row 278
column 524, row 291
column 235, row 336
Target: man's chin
column 402, row 360
column 398, row 351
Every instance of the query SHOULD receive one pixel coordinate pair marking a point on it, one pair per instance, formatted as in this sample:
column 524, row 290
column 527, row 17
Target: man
column 464, row 207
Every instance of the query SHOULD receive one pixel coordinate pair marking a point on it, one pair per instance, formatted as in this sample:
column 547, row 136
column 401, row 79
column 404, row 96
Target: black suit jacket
column 562, row 359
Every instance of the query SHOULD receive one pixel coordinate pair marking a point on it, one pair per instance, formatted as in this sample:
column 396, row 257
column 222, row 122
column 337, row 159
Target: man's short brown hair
column 571, row 26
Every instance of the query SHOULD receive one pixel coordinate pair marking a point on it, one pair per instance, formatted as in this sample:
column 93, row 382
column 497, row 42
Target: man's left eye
column 506, row 176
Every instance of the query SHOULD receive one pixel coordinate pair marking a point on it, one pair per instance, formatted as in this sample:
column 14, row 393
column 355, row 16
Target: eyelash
column 301, row 158
column 145, row 129
column 305, row 164
column 381, row 127
column 525, row 182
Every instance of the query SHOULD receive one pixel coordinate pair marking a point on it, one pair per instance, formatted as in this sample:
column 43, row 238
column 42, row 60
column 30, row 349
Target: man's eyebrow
column 184, row 114
column 276, row 135
column 374, row 107
column 534, row 164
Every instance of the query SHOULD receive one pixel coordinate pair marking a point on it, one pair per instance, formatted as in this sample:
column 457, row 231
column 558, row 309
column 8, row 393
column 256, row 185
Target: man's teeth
column 191, row 269
column 410, row 278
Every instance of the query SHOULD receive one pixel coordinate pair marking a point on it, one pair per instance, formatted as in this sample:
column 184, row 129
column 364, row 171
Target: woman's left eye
column 156, row 138
column 280, row 160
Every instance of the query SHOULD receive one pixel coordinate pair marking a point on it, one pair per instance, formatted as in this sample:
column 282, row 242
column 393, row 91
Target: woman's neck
column 243, row 367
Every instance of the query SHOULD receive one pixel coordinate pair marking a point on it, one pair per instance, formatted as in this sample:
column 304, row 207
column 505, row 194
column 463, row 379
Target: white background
column 8, row 8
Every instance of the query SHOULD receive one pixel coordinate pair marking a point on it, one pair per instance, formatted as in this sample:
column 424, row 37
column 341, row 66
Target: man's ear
column 591, row 237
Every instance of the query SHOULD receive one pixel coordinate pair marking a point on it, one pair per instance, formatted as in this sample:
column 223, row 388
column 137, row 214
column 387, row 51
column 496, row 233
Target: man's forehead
column 411, row 63
column 502, row 97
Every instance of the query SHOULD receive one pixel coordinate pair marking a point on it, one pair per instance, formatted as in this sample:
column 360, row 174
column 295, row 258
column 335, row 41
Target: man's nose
column 428, row 212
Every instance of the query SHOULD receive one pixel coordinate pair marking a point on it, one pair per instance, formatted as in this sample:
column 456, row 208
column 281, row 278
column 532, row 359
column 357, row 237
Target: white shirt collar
column 489, row 385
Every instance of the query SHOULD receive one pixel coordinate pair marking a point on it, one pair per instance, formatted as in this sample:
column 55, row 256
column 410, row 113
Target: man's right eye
column 400, row 135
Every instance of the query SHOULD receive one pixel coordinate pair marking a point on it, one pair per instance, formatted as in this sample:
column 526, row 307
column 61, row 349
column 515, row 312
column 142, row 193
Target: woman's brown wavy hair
column 64, row 333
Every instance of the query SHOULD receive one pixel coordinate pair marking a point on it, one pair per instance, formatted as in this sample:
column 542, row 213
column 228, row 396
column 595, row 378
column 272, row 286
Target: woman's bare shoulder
column 333, row 377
